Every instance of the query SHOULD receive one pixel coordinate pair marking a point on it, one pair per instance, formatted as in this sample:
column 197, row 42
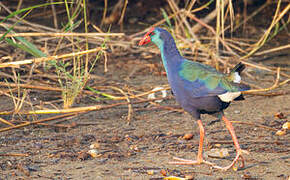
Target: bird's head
column 154, row 35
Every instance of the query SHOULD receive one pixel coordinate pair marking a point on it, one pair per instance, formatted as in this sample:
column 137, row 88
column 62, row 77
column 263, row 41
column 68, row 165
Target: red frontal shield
column 146, row 39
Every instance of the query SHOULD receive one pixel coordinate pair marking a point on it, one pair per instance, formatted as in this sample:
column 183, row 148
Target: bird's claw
column 238, row 157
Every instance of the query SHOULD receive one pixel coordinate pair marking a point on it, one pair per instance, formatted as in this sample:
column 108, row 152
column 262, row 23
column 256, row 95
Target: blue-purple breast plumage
column 198, row 88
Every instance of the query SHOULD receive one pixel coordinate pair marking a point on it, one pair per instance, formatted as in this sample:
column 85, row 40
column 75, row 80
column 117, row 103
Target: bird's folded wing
column 201, row 81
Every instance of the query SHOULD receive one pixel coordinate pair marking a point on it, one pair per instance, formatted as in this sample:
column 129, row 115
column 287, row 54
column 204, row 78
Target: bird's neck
column 171, row 57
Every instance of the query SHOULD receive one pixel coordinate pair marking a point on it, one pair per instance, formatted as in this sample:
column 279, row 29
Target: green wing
column 204, row 80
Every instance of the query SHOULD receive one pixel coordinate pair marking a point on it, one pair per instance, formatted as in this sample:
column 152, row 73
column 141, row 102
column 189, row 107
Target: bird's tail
column 238, row 68
column 234, row 75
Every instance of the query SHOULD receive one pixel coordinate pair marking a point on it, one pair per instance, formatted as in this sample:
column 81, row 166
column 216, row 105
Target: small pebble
column 134, row 147
column 163, row 172
column 162, row 93
column 150, row 172
column 95, row 146
column 281, row 132
column 237, row 111
column 33, row 168
column 83, row 156
column 189, row 177
column 279, row 115
column 218, row 153
column 246, row 175
column 286, row 125
column 188, row 136
column 93, row 153
column 217, row 145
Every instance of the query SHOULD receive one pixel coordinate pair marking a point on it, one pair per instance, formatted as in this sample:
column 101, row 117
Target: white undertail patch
column 229, row 96
column 237, row 78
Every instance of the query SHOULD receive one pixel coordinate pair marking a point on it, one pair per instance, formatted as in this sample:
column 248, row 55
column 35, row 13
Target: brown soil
column 144, row 148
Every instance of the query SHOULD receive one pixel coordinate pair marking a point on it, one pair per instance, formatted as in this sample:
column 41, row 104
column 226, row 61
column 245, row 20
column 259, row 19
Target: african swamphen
column 199, row 89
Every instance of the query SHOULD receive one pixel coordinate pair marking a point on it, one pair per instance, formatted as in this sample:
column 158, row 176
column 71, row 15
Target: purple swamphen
column 199, row 89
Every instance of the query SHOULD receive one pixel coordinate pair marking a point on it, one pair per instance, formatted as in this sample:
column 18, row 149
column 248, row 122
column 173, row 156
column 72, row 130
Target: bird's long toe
column 181, row 161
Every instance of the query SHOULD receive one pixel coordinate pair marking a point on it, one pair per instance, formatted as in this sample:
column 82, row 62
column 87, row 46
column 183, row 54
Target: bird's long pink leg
column 238, row 148
column 200, row 160
column 199, row 154
column 201, row 138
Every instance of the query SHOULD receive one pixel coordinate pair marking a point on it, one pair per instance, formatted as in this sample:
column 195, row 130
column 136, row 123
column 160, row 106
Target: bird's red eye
column 151, row 33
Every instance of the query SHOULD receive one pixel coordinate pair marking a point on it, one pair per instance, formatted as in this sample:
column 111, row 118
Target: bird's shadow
column 263, row 163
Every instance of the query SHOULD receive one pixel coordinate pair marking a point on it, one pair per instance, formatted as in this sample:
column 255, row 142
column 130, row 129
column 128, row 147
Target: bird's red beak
column 146, row 39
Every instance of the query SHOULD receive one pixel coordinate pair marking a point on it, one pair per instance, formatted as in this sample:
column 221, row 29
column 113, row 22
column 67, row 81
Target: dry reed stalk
column 123, row 13
column 36, row 122
column 154, row 25
column 57, row 125
column 181, row 18
column 255, row 125
column 6, row 122
column 270, row 94
column 277, row 17
column 17, row 100
column 274, row 86
column 130, row 108
column 36, row 27
column 273, row 50
column 117, row 11
column 104, row 12
column 19, row 5
column 133, row 96
column 71, row 112
column 263, row 67
column 212, row 30
column 77, row 109
column 59, row 34
column 252, row 15
column 56, row 111
column 16, row 64
column 190, row 5
column 54, row 14
column 14, row 154
column 86, row 92
column 29, row 86
column 158, row 106
column 238, row 42
column 206, row 20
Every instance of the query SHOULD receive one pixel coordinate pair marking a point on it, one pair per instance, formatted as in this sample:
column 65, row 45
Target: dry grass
column 64, row 58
